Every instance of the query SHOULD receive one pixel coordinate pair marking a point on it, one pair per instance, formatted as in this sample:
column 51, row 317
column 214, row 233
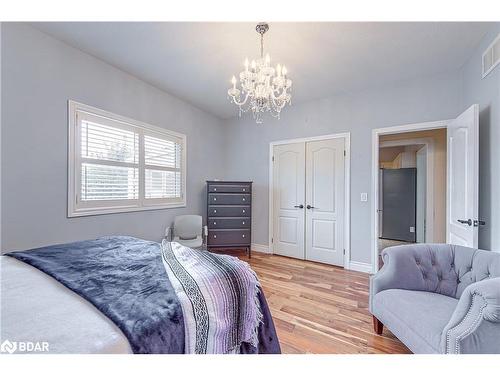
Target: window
column 118, row 164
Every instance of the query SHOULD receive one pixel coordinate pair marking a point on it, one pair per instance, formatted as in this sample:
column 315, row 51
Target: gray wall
column 486, row 92
column 1, row 25
column 39, row 75
column 434, row 98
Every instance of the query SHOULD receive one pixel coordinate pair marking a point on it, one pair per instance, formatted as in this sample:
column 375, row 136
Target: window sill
column 118, row 210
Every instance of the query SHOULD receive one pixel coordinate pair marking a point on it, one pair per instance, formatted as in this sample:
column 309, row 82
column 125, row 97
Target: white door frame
column 347, row 187
column 376, row 133
column 429, row 188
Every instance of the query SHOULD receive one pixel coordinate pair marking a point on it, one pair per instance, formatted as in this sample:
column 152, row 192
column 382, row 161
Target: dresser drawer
column 228, row 223
column 216, row 198
column 226, row 188
column 238, row 211
column 229, row 237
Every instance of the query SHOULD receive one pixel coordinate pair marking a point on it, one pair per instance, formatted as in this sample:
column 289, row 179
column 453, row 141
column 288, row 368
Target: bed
column 101, row 296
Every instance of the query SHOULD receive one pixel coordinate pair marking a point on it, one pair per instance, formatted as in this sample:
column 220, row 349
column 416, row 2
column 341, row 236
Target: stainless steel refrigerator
column 398, row 202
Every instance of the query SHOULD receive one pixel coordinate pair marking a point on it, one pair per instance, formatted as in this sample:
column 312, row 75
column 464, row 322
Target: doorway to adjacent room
column 448, row 185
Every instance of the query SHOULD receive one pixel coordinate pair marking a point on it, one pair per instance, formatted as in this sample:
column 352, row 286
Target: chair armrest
column 474, row 326
column 401, row 268
column 205, row 234
column 168, row 233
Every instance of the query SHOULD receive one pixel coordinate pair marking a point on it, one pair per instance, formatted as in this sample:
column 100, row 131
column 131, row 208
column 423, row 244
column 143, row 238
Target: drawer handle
column 215, row 223
column 215, row 211
column 215, row 189
column 215, row 236
column 215, row 199
column 243, row 223
column 243, row 199
column 243, row 211
column 244, row 190
column 243, row 236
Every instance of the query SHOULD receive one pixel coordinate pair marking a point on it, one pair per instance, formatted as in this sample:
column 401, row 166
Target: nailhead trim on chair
column 469, row 329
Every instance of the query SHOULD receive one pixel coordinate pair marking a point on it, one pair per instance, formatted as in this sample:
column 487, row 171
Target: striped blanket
column 219, row 299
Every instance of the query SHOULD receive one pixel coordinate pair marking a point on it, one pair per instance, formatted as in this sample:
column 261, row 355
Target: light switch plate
column 412, row 229
column 364, row 197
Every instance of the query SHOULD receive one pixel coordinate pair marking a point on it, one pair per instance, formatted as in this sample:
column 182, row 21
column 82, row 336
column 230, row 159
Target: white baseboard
column 260, row 248
column 360, row 266
column 354, row 266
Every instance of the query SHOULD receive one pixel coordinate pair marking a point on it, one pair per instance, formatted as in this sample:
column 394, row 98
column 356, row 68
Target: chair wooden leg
column 378, row 327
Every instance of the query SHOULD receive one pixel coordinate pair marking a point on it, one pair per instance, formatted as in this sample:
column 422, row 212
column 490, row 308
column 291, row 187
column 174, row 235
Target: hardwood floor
column 319, row 308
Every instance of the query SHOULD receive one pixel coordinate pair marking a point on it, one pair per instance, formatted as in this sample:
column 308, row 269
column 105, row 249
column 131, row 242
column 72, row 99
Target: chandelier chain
column 261, row 46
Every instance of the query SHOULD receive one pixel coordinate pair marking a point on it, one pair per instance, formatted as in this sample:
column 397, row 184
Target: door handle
column 468, row 222
column 309, row 207
column 299, row 206
column 479, row 222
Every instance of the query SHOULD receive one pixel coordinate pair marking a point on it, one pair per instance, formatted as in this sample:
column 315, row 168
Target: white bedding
column 35, row 307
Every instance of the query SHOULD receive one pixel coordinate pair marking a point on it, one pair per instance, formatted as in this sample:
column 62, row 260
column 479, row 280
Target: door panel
column 288, row 230
column 323, row 234
column 323, row 178
column 289, row 187
column 325, row 194
column 463, row 180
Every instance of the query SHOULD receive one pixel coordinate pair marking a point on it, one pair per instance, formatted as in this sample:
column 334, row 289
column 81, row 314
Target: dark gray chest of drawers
column 229, row 214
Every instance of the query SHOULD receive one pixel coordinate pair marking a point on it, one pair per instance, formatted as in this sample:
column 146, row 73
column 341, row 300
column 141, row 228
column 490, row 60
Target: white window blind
column 163, row 167
column 118, row 164
column 102, row 182
column 101, row 144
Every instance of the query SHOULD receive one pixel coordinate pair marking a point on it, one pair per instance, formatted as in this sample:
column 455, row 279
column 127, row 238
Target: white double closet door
column 308, row 200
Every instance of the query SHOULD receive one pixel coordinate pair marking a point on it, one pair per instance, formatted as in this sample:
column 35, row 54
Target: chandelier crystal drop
column 262, row 88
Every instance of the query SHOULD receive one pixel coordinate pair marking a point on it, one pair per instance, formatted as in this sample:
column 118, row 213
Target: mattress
column 41, row 309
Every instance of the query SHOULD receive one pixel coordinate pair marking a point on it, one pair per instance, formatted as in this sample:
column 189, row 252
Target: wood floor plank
column 319, row 308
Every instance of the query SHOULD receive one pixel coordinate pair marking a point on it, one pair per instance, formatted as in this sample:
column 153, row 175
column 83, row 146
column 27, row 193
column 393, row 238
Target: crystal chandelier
column 263, row 88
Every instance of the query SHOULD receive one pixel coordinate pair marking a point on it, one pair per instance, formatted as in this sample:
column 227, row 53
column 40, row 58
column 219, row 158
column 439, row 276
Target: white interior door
column 463, row 164
column 288, row 197
column 325, row 201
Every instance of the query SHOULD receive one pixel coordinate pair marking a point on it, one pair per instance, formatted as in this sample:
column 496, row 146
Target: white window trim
column 101, row 208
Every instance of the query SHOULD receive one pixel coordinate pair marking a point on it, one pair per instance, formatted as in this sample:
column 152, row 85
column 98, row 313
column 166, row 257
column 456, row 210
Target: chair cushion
column 417, row 318
column 193, row 243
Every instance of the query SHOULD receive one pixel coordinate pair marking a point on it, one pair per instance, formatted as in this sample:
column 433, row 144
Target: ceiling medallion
column 262, row 88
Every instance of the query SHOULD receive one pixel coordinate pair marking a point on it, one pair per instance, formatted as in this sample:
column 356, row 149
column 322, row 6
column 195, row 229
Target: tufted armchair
column 439, row 298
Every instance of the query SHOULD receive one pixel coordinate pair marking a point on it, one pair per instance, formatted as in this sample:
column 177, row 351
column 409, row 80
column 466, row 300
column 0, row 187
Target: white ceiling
column 195, row 61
